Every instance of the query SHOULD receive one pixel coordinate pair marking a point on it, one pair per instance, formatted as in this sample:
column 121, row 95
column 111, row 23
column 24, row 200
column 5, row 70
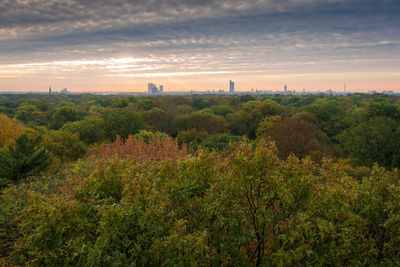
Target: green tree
column 199, row 102
column 222, row 109
column 145, row 104
column 191, row 137
column 268, row 108
column 120, row 103
column 147, row 136
column 64, row 144
column 91, row 129
column 63, row 115
column 251, row 105
column 379, row 205
column 184, row 109
column 220, row 141
column 372, row 141
column 160, row 120
column 37, row 118
column 239, row 123
column 203, row 120
column 330, row 116
column 24, row 112
column 382, row 109
column 23, row 159
column 122, row 122
column 267, row 124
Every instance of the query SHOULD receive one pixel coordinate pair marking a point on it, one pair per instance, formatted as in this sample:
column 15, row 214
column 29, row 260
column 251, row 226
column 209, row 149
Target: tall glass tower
column 231, row 87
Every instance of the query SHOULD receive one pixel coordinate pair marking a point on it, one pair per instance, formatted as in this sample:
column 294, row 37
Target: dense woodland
column 204, row 180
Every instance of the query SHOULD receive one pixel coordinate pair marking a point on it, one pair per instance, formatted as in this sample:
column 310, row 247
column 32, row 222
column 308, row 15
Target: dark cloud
column 226, row 35
column 87, row 14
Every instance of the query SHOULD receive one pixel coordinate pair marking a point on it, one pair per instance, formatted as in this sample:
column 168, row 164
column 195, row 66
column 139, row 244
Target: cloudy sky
column 121, row 45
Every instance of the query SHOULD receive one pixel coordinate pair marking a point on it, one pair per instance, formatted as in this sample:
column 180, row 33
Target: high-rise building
column 161, row 89
column 285, row 88
column 231, row 87
column 50, row 90
column 64, row 91
column 152, row 89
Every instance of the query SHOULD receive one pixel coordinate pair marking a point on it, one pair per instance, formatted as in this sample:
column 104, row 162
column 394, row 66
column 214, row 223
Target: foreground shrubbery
column 243, row 206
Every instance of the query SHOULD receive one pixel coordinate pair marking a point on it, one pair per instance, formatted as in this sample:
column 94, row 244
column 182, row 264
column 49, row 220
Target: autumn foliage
column 243, row 207
column 10, row 129
column 297, row 137
column 266, row 180
column 156, row 149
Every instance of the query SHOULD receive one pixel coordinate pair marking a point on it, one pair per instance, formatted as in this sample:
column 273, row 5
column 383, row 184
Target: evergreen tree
column 24, row 158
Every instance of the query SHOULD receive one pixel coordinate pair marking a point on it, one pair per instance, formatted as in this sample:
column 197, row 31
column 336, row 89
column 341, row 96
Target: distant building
column 50, row 90
column 64, row 91
column 231, row 87
column 152, row 89
column 285, row 88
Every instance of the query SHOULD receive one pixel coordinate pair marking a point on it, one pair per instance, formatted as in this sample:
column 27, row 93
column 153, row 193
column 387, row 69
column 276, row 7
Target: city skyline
column 200, row 45
column 152, row 89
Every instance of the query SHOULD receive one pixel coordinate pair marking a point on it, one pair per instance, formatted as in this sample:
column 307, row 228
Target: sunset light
column 316, row 45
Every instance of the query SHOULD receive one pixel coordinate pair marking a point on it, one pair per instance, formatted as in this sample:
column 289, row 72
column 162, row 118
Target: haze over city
column 123, row 45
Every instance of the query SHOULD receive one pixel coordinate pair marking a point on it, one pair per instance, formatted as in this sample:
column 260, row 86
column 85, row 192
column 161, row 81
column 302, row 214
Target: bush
column 241, row 207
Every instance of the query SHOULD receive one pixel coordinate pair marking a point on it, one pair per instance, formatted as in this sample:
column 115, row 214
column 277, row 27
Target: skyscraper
column 50, row 90
column 161, row 89
column 231, row 87
column 152, row 89
column 285, row 88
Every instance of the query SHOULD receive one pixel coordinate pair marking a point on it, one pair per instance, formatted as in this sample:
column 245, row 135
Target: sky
column 122, row 45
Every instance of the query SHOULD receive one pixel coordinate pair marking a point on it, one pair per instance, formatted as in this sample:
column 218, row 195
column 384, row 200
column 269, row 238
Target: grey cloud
column 30, row 13
column 55, row 21
column 205, row 36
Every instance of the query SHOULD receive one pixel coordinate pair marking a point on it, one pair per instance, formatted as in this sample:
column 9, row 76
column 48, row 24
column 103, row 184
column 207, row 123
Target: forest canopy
column 199, row 180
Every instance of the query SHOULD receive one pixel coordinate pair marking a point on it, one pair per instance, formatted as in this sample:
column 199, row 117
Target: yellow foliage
column 10, row 129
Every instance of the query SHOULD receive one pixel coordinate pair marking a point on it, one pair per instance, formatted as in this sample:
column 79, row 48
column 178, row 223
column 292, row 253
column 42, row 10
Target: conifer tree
column 24, row 158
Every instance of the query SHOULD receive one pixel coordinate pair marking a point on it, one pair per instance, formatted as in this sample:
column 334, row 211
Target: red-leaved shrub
column 155, row 150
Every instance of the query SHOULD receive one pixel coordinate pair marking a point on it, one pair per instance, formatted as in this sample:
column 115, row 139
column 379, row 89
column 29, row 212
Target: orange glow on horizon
column 133, row 74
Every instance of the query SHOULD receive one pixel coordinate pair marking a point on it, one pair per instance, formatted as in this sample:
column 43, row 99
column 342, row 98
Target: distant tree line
column 362, row 128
